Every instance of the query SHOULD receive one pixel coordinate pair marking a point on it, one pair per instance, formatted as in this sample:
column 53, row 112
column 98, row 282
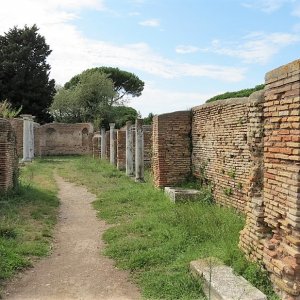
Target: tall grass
column 154, row 239
column 27, row 218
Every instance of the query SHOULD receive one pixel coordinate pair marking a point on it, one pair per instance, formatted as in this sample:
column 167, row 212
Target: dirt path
column 75, row 269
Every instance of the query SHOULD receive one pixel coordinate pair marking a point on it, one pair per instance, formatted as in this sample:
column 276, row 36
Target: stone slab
column 220, row 283
column 180, row 194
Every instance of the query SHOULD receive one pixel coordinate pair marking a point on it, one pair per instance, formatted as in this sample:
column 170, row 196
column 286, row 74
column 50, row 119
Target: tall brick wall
column 8, row 157
column 17, row 125
column 171, row 148
column 96, row 145
column 220, row 150
column 65, row 139
column 282, row 176
column 121, row 149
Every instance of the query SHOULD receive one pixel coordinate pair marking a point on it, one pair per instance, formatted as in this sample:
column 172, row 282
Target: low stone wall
column 65, row 139
column 8, row 157
column 171, row 148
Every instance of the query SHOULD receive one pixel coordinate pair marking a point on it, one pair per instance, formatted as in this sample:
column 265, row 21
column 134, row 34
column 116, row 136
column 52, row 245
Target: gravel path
column 76, row 269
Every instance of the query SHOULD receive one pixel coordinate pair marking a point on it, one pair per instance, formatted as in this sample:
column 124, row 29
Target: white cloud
column 159, row 101
column 258, row 47
column 150, row 23
column 186, row 49
column 73, row 53
column 134, row 14
column 267, row 6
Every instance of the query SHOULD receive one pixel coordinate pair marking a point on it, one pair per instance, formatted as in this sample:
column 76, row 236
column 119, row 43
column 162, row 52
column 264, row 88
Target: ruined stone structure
column 171, row 148
column 249, row 150
column 8, row 157
column 17, row 125
column 121, row 150
column 65, row 139
column 96, row 145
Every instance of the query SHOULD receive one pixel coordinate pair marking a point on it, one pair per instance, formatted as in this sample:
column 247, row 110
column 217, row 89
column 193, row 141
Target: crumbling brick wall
column 171, row 148
column 277, row 242
column 96, row 140
column 220, row 150
column 121, row 149
column 8, row 157
column 65, row 139
column 17, row 125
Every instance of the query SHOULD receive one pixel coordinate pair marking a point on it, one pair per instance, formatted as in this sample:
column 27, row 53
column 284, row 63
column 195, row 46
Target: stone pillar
column 139, row 151
column 112, row 143
column 129, row 149
column 103, row 143
column 27, row 137
column 31, row 140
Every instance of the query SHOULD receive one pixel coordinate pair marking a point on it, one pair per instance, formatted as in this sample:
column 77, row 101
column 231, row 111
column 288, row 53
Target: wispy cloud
column 134, row 14
column 257, row 47
column 150, row 23
column 186, row 49
column 267, row 6
column 73, row 52
column 160, row 101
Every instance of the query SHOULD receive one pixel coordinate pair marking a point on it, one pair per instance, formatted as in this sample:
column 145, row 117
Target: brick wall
column 282, row 176
column 96, row 145
column 8, row 157
column 147, row 145
column 17, row 124
column 171, row 148
column 220, row 150
column 65, row 139
column 121, row 149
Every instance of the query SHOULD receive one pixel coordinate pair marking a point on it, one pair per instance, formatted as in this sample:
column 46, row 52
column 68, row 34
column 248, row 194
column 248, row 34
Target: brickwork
column 282, row 176
column 220, row 151
column 147, row 145
column 121, row 149
column 17, row 124
column 171, row 148
column 107, row 134
column 65, row 139
column 96, row 145
column 8, row 157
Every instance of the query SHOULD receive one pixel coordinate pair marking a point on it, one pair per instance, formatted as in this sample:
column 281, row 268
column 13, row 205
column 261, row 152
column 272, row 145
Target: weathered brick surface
column 17, row 125
column 65, row 139
column 121, row 149
column 281, row 253
column 8, row 157
column 96, row 145
column 220, row 150
column 171, row 148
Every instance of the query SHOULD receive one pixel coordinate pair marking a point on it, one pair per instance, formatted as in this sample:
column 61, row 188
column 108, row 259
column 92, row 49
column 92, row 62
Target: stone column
column 31, row 140
column 139, row 151
column 103, row 143
column 27, row 137
column 129, row 149
column 112, row 143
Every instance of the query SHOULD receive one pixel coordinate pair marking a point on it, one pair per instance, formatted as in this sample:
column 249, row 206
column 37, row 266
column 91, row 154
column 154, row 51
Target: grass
column 27, row 218
column 154, row 239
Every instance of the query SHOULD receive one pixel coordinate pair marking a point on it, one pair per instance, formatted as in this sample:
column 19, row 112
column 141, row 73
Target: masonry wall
column 65, row 139
column 121, row 149
column 8, row 157
column 171, row 148
column 282, row 176
column 17, row 125
column 220, row 150
column 96, row 145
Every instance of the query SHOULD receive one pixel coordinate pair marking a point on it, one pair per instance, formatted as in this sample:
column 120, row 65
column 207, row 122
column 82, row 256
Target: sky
column 185, row 51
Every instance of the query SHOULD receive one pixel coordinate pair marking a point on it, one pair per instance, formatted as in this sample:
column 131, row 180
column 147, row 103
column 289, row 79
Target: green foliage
column 120, row 115
column 24, row 71
column 148, row 120
column 7, row 111
column 24, row 230
column 91, row 99
column 154, row 239
column 228, row 191
column 125, row 83
column 237, row 94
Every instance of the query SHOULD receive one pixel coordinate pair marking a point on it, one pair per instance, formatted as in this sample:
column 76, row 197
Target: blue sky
column 185, row 50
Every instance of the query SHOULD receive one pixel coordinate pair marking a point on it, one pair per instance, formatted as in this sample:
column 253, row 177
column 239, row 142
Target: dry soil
column 76, row 269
